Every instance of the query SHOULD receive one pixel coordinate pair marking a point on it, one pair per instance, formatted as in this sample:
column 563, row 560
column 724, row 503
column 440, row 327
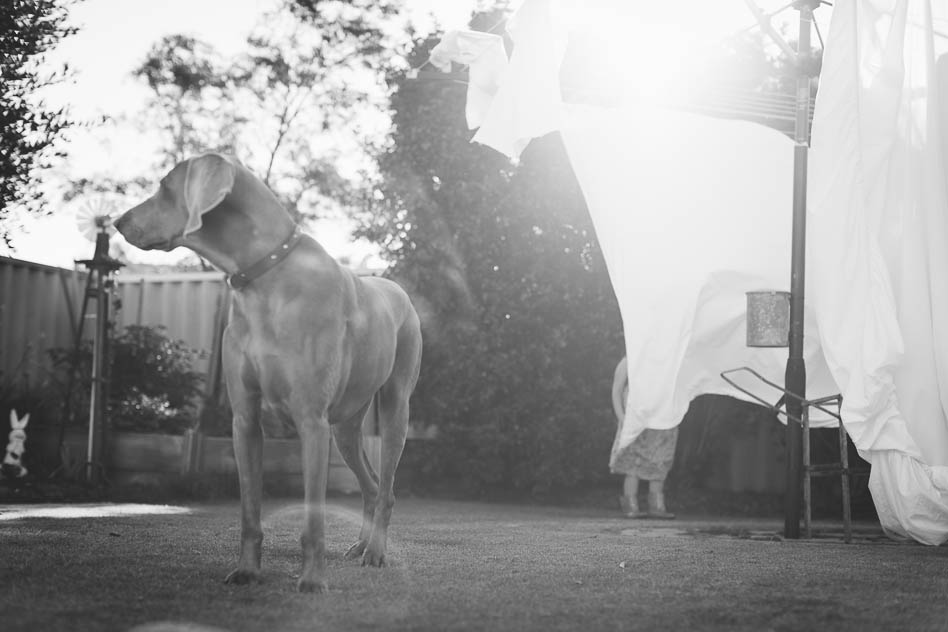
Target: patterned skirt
column 650, row 456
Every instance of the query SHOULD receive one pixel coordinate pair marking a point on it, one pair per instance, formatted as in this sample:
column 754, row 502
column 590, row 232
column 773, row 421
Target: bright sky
column 116, row 34
column 114, row 37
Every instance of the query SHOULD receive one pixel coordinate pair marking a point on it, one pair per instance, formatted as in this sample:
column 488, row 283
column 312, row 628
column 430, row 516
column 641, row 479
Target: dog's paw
column 318, row 586
column 356, row 550
column 373, row 558
column 242, row 577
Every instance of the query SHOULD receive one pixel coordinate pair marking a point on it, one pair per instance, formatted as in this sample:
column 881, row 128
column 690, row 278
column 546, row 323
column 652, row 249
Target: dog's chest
column 291, row 356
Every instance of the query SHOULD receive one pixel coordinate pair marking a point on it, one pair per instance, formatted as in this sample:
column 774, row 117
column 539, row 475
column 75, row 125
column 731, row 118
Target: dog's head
column 190, row 190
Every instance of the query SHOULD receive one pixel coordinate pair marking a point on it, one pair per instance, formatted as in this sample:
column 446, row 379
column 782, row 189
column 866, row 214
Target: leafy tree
column 300, row 106
column 189, row 109
column 521, row 327
column 316, row 73
column 312, row 83
column 29, row 128
column 190, row 103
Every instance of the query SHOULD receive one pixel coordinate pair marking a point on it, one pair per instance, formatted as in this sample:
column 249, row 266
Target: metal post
column 807, row 477
column 844, row 482
column 97, row 396
column 100, row 267
column 795, row 378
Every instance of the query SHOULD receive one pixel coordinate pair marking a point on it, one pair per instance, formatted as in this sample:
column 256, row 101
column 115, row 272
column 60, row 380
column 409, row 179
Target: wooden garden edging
column 132, row 456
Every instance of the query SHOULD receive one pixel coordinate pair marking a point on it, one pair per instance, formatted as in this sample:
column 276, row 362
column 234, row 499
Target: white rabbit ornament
column 13, row 460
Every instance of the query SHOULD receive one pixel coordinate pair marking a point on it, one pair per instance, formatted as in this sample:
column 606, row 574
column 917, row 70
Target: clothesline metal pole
column 795, row 377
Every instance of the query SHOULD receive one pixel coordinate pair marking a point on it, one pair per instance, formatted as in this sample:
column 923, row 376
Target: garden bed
column 161, row 461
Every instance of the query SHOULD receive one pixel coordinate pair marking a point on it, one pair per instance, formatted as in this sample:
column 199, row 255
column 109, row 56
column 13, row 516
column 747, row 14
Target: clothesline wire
column 816, row 27
column 494, row 28
column 766, row 16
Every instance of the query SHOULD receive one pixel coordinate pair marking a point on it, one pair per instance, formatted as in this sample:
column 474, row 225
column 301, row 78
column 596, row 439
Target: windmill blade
column 94, row 217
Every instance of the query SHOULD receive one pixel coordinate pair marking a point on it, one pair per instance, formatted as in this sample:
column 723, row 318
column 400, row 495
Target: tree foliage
column 189, row 100
column 522, row 331
column 152, row 384
column 300, row 106
column 29, row 128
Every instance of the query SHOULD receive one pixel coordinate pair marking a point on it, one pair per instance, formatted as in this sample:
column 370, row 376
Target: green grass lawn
column 459, row 565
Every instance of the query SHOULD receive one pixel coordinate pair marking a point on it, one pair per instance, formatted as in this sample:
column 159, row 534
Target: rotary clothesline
column 876, row 328
column 776, row 110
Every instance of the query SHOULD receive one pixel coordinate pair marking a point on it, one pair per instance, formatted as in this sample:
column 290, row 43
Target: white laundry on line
column 693, row 212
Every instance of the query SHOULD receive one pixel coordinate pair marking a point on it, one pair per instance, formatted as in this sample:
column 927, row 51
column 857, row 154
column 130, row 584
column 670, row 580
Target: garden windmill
column 94, row 221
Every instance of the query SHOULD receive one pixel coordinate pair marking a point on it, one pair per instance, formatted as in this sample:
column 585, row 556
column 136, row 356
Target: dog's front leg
column 314, row 437
column 248, row 452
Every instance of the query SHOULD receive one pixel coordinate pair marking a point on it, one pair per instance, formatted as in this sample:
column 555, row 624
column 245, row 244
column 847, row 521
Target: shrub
column 152, row 386
column 40, row 398
column 522, row 407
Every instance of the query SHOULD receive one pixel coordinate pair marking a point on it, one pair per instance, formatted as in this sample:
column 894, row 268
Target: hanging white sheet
column 486, row 59
column 693, row 212
column 878, row 248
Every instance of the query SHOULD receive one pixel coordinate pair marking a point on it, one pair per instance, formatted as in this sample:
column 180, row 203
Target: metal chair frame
column 810, row 470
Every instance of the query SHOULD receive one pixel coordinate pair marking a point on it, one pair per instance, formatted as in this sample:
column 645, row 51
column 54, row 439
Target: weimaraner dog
column 308, row 340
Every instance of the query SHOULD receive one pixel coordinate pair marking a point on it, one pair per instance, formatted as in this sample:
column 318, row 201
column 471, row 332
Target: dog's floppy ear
column 208, row 180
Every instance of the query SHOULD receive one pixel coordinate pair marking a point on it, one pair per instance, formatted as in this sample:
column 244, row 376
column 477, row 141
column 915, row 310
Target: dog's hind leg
column 393, row 428
column 393, row 431
column 348, row 436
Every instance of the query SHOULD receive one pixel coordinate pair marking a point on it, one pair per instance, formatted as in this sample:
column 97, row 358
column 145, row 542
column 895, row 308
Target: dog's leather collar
column 242, row 278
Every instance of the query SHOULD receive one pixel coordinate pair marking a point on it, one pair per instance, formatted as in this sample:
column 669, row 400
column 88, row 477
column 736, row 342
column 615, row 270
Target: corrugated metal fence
column 39, row 307
column 187, row 304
